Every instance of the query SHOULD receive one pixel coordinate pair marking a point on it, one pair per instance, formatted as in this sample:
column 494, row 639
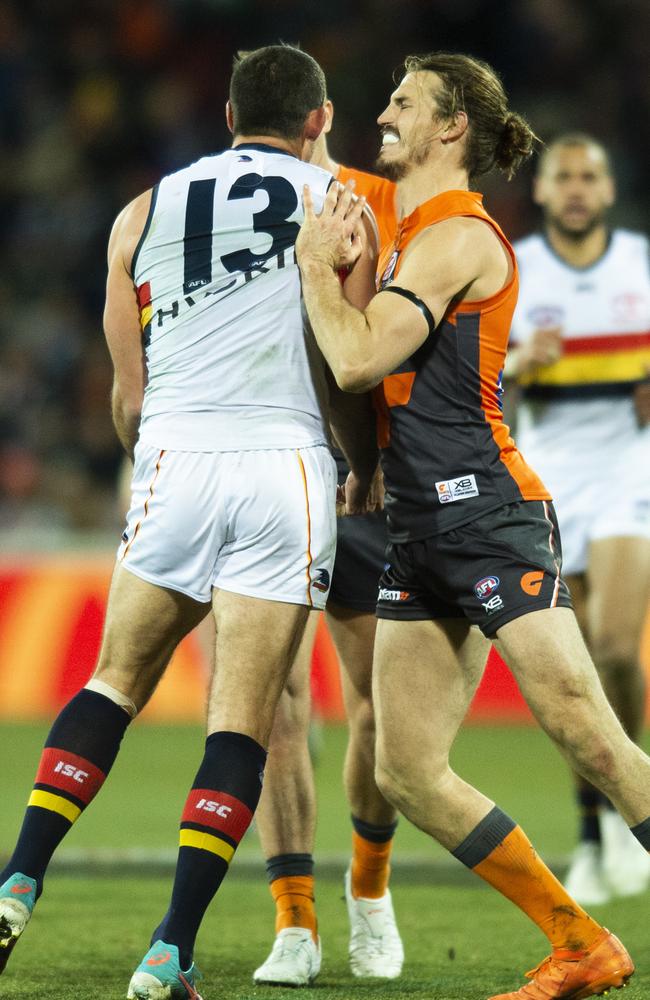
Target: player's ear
column 229, row 118
column 610, row 196
column 314, row 123
column 329, row 115
column 456, row 127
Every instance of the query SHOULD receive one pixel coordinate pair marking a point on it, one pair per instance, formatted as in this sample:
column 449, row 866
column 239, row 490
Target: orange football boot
column 566, row 975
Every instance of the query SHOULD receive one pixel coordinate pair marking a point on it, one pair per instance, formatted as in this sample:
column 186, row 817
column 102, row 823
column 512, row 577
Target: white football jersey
column 231, row 364
column 603, row 312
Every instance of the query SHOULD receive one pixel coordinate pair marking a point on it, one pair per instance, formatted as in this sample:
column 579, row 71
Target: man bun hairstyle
column 273, row 89
column 515, row 144
column 497, row 136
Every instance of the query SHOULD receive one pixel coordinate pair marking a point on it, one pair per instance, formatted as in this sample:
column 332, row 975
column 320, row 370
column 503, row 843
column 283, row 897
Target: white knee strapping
column 110, row 692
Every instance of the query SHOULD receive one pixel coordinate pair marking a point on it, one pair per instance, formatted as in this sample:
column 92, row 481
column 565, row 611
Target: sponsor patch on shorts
column 494, row 604
column 393, row 595
column 449, row 490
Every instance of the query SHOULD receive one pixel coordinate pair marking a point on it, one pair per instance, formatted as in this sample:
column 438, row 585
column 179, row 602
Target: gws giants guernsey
column 447, row 455
column 230, row 363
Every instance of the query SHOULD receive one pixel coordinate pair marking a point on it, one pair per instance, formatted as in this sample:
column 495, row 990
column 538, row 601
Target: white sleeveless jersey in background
column 603, row 312
column 576, row 421
column 230, row 363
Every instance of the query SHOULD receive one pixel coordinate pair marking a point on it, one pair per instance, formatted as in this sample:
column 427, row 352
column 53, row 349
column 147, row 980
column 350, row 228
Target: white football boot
column 585, row 880
column 376, row 948
column 294, row 960
column 626, row 864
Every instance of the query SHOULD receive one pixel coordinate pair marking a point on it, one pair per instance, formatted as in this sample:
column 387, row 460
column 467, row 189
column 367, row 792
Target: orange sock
column 294, row 903
column 370, row 867
column 513, row 867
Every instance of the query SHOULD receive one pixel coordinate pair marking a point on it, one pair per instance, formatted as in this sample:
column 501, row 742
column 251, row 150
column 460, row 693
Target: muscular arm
column 458, row 258
column 352, row 417
column 122, row 323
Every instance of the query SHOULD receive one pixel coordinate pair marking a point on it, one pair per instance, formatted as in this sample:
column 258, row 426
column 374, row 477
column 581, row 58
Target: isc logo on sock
column 208, row 805
column 70, row 771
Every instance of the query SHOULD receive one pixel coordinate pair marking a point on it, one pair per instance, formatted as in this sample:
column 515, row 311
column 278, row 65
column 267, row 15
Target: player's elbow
column 355, row 377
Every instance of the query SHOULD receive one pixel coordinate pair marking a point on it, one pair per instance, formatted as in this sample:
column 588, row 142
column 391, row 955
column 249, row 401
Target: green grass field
column 461, row 939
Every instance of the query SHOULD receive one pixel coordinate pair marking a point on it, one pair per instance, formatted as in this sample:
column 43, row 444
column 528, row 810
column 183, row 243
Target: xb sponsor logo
column 450, row 490
column 322, row 581
column 531, row 583
column 494, row 604
column 210, row 806
column 70, row 771
column 393, row 595
column 486, row 586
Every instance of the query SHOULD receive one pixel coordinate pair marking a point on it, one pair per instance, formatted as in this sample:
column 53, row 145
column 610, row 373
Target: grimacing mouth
column 389, row 136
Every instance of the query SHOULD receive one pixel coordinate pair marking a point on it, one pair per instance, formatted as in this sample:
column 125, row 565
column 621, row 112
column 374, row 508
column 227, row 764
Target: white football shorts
column 257, row 523
column 600, row 484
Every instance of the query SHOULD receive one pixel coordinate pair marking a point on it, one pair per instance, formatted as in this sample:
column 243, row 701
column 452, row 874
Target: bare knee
column 616, row 653
column 404, row 783
column 361, row 721
column 291, row 723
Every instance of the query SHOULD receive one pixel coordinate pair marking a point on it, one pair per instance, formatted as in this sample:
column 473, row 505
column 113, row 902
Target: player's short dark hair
column 273, row 89
column 497, row 136
column 572, row 139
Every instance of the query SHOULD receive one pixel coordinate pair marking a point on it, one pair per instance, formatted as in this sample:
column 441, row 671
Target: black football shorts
column 490, row 571
column 360, row 560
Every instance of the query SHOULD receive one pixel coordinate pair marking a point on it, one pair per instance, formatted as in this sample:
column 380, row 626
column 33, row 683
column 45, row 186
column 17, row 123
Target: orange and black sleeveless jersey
column 447, row 455
column 380, row 195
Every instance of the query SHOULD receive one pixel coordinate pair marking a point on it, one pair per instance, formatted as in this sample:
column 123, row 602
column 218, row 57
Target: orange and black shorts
column 504, row 565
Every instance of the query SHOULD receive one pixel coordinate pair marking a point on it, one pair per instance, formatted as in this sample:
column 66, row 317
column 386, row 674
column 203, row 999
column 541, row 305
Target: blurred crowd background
column 98, row 99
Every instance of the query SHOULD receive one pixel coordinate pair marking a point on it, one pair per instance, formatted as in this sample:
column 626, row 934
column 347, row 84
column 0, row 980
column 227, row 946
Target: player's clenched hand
column 334, row 237
column 543, row 348
column 362, row 496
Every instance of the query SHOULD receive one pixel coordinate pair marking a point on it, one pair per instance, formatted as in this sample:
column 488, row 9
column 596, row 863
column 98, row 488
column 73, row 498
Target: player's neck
column 321, row 158
column 428, row 180
column 578, row 251
column 291, row 146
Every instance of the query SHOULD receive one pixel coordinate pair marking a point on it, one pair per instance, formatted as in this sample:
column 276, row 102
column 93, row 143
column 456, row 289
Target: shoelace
column 191, row 992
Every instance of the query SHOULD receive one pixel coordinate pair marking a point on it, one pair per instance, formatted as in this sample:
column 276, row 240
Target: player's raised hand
column 544, row 347
column 335, row 237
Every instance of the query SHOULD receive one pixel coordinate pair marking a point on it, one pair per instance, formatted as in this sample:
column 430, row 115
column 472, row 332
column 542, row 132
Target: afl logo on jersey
column 486, row 586
column 389, row 270
column 545, row 317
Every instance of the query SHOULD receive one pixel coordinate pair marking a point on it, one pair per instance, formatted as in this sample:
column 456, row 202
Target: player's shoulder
column 372, row 186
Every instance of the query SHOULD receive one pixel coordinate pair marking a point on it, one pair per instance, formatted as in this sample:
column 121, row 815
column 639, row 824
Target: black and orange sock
column 79, row 752
column 642, row 833
column 291, row 878
column 217, row 814
column 499, row 851
column 371, row 850
column 590, row 802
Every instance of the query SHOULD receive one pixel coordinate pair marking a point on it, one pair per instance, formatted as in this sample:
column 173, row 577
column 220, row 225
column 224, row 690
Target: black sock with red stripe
column 217, row 814
column 79, row 752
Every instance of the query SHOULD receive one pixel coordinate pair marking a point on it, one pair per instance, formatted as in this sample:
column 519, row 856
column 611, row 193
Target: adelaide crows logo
column 322, row 581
